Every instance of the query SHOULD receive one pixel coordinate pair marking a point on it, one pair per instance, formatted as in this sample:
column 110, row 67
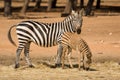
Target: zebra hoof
column 31, row 66
column 17, row 66
column 87, row 68
column 58, row 65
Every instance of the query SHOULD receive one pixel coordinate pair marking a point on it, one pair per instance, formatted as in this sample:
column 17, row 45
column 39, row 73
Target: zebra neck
column 68, row 27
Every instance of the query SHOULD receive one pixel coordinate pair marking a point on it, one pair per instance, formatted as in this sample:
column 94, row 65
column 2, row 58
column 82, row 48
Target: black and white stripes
column 42, row 34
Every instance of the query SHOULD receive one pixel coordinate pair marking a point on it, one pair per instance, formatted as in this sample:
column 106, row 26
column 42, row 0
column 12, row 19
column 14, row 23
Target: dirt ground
column 102, row 34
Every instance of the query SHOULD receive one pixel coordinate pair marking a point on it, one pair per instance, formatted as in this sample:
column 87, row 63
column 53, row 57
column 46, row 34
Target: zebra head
column 77, row 20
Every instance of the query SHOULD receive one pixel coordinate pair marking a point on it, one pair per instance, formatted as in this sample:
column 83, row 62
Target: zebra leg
column 26, row 53
column 88, row 61
column 18, row 52
column 63, row 57
column 58, row 57
column 69, row 57
column 80, row 58
column 83, row 61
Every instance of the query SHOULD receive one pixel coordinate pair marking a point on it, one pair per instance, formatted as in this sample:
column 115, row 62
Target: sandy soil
column 101, row 33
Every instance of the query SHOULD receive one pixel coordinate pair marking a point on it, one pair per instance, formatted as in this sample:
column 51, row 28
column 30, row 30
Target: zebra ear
column 81, row 12
column 73, row 12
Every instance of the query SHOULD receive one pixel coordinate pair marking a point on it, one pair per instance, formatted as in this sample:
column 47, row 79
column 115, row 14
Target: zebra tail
column 10, row 37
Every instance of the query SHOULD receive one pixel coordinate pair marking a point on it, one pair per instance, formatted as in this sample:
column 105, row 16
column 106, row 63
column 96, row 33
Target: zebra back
column 43, row 34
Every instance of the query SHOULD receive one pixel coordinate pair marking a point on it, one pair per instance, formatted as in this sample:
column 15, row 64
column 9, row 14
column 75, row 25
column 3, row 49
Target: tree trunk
column 81, row 4
column 33, row 0
column 98, row 4
column 71, row 4
column 51, row 4
column 54, row 3
column 89, row 7
column 25, row 6
column 37, row 5
column 74, row 5
column 7, row 8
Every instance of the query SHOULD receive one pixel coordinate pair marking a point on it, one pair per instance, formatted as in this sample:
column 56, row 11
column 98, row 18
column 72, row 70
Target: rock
column 110, row 33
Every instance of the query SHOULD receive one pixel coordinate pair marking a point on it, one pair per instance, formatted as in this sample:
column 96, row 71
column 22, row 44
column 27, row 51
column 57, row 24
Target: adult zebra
column 43, row 34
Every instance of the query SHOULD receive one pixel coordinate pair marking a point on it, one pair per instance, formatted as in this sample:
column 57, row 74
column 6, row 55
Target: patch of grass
column 6, row 60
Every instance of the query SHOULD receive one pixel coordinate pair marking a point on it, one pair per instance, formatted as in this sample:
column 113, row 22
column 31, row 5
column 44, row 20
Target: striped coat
column 74, row 41
column 42, row 34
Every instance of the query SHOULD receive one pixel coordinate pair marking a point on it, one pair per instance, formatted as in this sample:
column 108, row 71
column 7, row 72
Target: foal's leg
column 69, row 56
column 79, row 57
column 63, row 56
column 88, row 61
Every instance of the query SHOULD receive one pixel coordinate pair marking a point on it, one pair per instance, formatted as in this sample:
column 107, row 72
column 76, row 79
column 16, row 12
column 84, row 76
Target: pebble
column 110, row 33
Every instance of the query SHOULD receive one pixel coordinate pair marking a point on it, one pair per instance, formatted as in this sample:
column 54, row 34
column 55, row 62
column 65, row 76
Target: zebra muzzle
column 78, row 31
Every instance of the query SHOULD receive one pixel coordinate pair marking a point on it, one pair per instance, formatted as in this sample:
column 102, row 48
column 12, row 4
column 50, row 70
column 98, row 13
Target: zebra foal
column 71, row 41
column 43, row 34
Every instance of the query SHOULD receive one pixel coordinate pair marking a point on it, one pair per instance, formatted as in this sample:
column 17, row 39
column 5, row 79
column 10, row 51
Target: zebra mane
column 69, row 18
